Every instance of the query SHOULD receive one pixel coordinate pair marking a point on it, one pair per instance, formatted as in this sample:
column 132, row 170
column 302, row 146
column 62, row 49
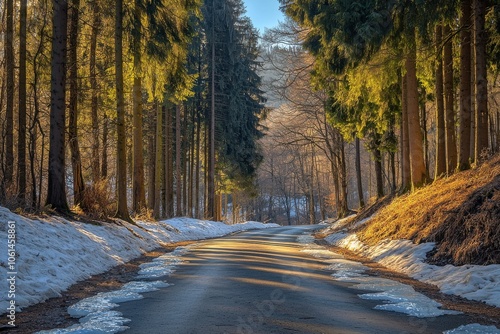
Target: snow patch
column 397, row 297
column 52, row 253
column 481, row 283
column 474, row 329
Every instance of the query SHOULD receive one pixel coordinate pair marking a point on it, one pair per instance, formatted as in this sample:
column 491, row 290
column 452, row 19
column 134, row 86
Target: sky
column 263, row 13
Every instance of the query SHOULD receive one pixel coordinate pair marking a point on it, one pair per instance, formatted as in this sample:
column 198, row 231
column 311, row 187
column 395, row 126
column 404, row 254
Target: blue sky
column 264, row 13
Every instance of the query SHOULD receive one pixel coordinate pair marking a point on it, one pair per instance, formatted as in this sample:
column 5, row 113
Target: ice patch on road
column 95, row 313
column 163, row 265
column 396, row 296
column 474, row 329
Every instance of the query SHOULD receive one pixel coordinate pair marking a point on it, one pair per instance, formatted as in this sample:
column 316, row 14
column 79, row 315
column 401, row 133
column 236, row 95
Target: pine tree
column 56, row 195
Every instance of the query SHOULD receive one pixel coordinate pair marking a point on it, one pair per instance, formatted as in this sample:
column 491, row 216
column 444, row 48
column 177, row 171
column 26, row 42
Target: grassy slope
column 460, row 213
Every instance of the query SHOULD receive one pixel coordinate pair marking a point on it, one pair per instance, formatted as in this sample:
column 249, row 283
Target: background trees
column 416, row 86
column 142, row 68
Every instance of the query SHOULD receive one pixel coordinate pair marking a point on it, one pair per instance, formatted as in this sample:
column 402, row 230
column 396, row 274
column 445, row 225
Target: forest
column 181, row 108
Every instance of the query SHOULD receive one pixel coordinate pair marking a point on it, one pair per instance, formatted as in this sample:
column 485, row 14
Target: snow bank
column 53, row 253
column 481, row 283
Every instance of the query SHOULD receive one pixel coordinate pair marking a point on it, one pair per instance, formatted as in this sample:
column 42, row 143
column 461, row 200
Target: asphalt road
column 260, row 282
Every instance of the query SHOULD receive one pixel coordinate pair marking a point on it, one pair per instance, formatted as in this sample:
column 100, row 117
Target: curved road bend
column 260, row 282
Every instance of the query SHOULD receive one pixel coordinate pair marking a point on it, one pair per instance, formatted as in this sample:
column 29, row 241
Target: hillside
column 461, row 214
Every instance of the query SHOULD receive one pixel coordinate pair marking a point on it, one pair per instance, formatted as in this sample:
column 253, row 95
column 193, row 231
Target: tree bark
column 178, row 176
column 56, row 195
column 440, row 127
column 359, row 180
column 9, row 114
column 158, row 171
column 418, row 171
column 480, row 40
column 138, row 191
column 122, row 210
column 94, row 88
column 76, row 161
column 451, row 140
column 21, row 142
column 464, row 155
column 405, row 141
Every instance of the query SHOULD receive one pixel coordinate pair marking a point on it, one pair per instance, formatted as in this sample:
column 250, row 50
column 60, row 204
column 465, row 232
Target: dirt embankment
column 461, row 213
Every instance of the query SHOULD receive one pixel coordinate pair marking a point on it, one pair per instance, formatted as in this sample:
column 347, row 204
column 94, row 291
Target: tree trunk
column 359, row 180
column 76, row 161
column 405, row 141
column 178, row 180
column 104, row 164
column 440, row 126
column 122, row 210
column 451, row 141
column 158, row 171
column 138, row 191
column 169, row 165
column 210, row 208
column 464, row 155
column 480, row 41
column 377, row 157
column 21, row 143
column 197, row 172
column 418, row 172
column 343, row 208
column 96, row 173
column 9, row 115
column 56, row 195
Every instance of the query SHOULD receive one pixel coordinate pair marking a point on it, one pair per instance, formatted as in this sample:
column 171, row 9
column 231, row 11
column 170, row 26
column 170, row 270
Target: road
column 260, row 282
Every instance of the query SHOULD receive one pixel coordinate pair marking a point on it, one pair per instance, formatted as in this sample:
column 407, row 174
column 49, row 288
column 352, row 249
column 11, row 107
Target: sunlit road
column 260, row 282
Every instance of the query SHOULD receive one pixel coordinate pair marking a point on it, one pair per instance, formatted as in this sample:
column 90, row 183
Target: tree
column 418, row 170
column 56, row 195
column 451, row 143
column 21, row 142
column 440, row 125
column 480, row 40
column 138, row 191
column 94, row 86
column 464, row 156
column 76, row 160
column 121, row 180
column 8, row 171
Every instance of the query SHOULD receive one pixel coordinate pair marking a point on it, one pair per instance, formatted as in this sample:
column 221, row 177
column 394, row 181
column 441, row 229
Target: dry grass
column 460, row 213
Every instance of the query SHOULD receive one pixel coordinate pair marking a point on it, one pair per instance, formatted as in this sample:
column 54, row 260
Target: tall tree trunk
column 122, row 210
column 138, row 191
column 94, row 104
column 405, row 141
column 9, row 115
column 76, row 161
column 451, row 140
column 359, row 180
column 169, row 165
column 56, row 195
column 178, row 181
column 197, row 171
column 377, row 158
column 104, row 163
column 185, row 160
column 418, row 171
column 21, row 143
column 343, row 208
column 210, row 209
column 480, row 40
column 158, row 162
column 440, row 127
column 464, row 155
column 192, row 163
